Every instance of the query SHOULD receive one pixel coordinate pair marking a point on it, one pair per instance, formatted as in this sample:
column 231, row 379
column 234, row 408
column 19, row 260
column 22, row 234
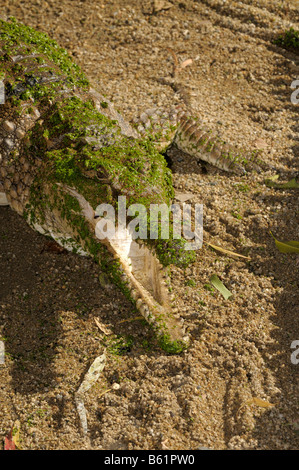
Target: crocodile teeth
column 144, row 274
column 140, row 269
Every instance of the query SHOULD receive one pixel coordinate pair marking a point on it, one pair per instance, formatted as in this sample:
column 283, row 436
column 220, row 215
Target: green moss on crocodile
column 15, row 36
column 124, row 160
column 118, row 158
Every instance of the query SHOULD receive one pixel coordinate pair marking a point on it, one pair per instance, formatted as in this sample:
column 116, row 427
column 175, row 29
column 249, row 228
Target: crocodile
column 64, row 150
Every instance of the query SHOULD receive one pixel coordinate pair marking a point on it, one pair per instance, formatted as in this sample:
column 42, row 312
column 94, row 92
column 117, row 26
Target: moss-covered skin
column 64, row 151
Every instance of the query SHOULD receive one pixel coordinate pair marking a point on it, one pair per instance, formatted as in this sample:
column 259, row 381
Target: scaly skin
column 64, row 150
column 191, row 136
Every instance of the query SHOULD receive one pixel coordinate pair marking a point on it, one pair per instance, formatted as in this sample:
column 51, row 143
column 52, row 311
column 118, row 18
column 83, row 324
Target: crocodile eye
column 30, row 80
column 101, row 174
column 102, row 177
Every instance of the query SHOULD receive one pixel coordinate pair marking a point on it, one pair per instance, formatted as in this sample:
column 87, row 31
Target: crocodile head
column 65, row 151
column 73, row 160
column 68, row 213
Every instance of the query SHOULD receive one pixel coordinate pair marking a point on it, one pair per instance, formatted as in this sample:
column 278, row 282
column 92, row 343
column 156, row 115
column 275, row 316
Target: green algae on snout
column 14, row 35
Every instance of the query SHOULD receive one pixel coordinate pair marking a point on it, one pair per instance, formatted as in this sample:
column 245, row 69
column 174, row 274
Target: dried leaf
column 215, row 281
column 12, row 440
column 93, row 373
column 16, row 434
column 260, row 144
column 90, row 378
column 272, row 178
column 259, row 402
column 104, row 392
column 163, row 444
column 292, row 184
column 286, row 247
column 81, row 412
column 227, row 252
column 102, row 327
column 131, row 319
column 161, row 5
column 185, row 63
column 183, row 197
column 175, row 61
column 8, row 442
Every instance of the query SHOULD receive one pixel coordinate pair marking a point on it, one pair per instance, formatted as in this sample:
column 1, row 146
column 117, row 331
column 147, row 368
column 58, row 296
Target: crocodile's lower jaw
column 140, row 270
column 144, row 276
column 146, row 279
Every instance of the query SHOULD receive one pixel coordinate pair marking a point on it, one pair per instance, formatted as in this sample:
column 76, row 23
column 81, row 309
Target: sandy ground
column 235, row 387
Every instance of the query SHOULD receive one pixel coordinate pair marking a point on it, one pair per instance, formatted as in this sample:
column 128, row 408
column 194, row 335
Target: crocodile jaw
column 145, row 278
column 140, row 270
